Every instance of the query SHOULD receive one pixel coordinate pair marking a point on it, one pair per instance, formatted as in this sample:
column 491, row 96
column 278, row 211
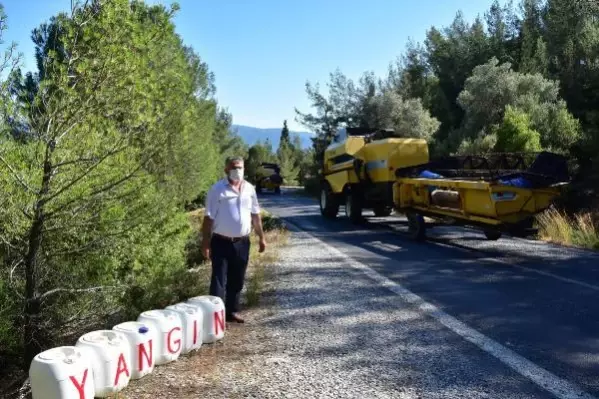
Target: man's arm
column 209, row 215
column 257, row 224
column 207, row 229
column 257, row 221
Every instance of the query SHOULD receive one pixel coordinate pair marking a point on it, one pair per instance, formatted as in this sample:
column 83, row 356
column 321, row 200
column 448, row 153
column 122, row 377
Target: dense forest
column 102, row 150
column 523, row 77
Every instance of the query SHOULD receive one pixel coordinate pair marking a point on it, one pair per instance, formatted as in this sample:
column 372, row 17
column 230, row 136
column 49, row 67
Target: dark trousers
column 229, row 264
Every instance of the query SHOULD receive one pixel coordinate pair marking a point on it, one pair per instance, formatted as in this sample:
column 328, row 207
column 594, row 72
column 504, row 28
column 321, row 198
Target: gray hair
column 232, row 159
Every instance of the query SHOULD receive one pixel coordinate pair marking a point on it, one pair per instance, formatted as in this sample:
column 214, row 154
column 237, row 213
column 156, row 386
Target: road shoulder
column 327, row 330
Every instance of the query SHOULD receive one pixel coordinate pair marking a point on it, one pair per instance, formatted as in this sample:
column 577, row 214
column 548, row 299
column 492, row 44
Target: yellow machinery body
column 482, row 202
column 378, row 160
column 495, row 192
column 360, row 170
column 368, row 172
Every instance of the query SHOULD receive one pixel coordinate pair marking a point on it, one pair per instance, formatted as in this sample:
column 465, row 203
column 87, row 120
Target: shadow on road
column 526, row 303
column 359, row 329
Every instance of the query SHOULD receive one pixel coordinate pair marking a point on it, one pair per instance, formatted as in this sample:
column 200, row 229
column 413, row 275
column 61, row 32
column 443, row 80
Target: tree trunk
column 32, row 337
column 32, row 344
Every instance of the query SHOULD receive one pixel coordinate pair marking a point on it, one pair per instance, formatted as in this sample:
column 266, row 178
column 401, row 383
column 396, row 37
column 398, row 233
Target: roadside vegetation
column 523, row 77
column 578, row 230
column 105, row 149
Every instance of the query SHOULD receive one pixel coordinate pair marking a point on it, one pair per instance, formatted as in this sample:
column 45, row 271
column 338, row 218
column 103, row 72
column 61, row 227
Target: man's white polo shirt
column 231, row 211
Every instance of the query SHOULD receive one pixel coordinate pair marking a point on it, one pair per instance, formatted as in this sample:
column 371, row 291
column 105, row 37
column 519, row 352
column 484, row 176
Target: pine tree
column 287, row 163
column 284, row 135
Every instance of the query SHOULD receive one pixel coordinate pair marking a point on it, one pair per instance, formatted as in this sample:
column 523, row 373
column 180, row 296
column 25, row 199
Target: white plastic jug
column 142, row 341
column 61, row 373
column 170, row 333
column 110, row 355
column 214, row 316
column 192, row 321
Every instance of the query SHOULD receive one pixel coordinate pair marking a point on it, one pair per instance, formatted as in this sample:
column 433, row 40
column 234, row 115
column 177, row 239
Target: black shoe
column 235, row 318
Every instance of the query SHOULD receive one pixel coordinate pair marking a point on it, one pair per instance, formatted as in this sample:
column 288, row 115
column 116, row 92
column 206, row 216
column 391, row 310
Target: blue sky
column 263, row 51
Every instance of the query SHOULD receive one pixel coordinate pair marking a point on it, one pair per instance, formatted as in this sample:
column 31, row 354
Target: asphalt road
column 521, row 306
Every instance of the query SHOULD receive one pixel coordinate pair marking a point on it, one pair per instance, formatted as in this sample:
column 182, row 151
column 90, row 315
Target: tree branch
column 89, row 160
column 96, row 192
column 78, row 290
column 108, row 186
column 17, row 177
column 73, row 213
column 80, row 177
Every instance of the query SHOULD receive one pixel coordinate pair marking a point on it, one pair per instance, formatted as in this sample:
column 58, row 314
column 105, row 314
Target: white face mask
column 236, row 174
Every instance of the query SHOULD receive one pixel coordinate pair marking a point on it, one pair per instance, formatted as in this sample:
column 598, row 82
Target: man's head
column 234, row 168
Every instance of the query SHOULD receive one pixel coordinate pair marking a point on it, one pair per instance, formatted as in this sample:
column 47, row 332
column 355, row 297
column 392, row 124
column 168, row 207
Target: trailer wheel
column 416, row 226
column 382, row 211
column 353, row 207
column 329, row 205
column 492, row 235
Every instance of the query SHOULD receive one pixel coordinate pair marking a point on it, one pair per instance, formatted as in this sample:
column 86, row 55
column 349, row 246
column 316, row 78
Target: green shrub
column 515, row 134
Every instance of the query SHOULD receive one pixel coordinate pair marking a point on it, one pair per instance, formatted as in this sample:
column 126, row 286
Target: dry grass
column 579, row 231
column 258, row 270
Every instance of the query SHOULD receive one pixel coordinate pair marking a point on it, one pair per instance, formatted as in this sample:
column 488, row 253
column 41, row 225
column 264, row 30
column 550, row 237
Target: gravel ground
column 328, row 331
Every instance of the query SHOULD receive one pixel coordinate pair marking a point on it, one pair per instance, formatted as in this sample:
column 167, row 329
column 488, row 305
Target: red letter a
column 121, row 368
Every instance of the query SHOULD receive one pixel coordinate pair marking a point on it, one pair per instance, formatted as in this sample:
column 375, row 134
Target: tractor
column 268, row 176
column 359, row 171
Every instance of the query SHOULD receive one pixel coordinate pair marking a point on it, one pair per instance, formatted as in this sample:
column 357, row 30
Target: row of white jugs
column 103, row 362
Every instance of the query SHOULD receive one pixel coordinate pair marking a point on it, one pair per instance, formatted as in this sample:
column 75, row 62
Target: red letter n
column 142, row 353
column 219, row 322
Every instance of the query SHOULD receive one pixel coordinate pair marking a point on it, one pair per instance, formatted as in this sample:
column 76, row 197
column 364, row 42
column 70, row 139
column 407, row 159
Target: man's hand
column 262, row 245
column 206, row 234
column 257, row 223
column 206, row 250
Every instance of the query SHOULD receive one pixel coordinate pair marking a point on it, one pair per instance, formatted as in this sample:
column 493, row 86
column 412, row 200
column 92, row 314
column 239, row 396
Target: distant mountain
column 251, row 135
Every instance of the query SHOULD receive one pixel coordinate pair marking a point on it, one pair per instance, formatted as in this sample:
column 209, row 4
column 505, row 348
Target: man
column 232, row 210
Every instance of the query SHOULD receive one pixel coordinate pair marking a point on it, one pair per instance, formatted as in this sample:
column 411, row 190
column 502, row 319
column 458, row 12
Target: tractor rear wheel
column 329, row 204
column 353, row 206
